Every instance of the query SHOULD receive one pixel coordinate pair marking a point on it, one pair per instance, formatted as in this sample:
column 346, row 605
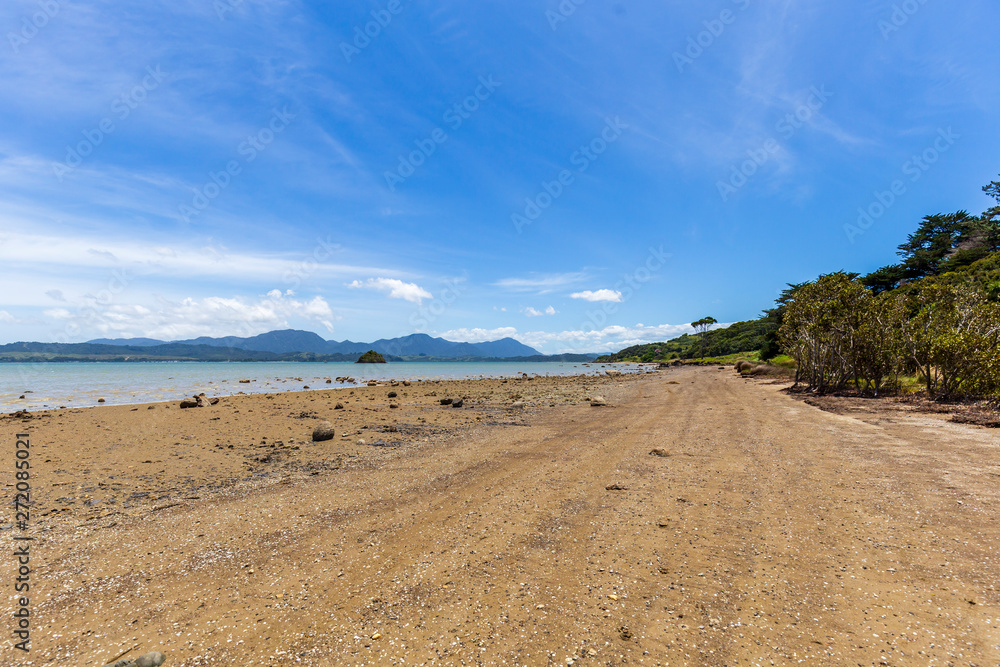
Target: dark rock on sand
column 323, row 431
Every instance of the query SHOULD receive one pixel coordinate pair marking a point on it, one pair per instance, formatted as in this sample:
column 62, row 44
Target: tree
column 703, row 325
column 885, row 279
column 993, row 190
column 937, row 237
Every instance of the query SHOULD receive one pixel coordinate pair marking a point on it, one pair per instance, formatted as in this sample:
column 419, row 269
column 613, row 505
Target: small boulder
column 151, row 659
column 338, row 406
column 457, row 404
column 189, row 403
column 329, row 381
column 598, row 402
column 406, row 383
column 392, row 394
column 393, row 406
column 362, row 442
column 446, row 401
column 323, row 431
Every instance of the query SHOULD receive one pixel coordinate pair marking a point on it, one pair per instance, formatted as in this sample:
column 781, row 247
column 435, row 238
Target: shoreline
column 222, row 444
column 181, row 379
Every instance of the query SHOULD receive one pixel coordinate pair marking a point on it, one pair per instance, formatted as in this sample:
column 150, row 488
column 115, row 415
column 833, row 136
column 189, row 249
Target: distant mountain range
column 292, row 340
column 287, row 345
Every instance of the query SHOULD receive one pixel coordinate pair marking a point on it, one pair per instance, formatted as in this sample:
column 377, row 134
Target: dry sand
column 773, row 533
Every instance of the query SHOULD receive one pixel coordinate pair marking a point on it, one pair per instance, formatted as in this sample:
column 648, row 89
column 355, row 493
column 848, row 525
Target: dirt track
column 775, row 533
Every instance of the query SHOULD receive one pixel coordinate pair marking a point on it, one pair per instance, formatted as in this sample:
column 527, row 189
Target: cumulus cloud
column 599, row 295
column 608, row 339
column 479, row 335
column 190, row 318
column 531, row 312
column 396, row 289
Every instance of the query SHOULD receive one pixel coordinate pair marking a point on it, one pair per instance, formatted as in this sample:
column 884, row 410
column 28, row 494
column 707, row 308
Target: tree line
column 934, row 315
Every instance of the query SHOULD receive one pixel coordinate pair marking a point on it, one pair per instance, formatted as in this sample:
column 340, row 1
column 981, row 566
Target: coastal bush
column 841, row 333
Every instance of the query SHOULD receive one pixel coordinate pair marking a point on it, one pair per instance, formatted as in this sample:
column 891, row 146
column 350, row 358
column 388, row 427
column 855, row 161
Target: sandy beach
column 769, row 532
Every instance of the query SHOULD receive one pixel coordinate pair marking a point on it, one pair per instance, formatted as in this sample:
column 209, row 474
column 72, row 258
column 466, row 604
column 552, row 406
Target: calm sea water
column 53, row 385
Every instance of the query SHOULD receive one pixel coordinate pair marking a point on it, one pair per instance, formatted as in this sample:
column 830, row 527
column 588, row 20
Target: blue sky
column 581, row 176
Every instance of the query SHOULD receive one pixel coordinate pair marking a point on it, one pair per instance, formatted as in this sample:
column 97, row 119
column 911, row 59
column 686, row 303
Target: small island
column 371, row 357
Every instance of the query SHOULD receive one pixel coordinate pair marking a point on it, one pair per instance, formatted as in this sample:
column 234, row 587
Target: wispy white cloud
column 66, row 254
column 598, row 295
column 542, row 284
column 396, row 289
column 533, row 312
